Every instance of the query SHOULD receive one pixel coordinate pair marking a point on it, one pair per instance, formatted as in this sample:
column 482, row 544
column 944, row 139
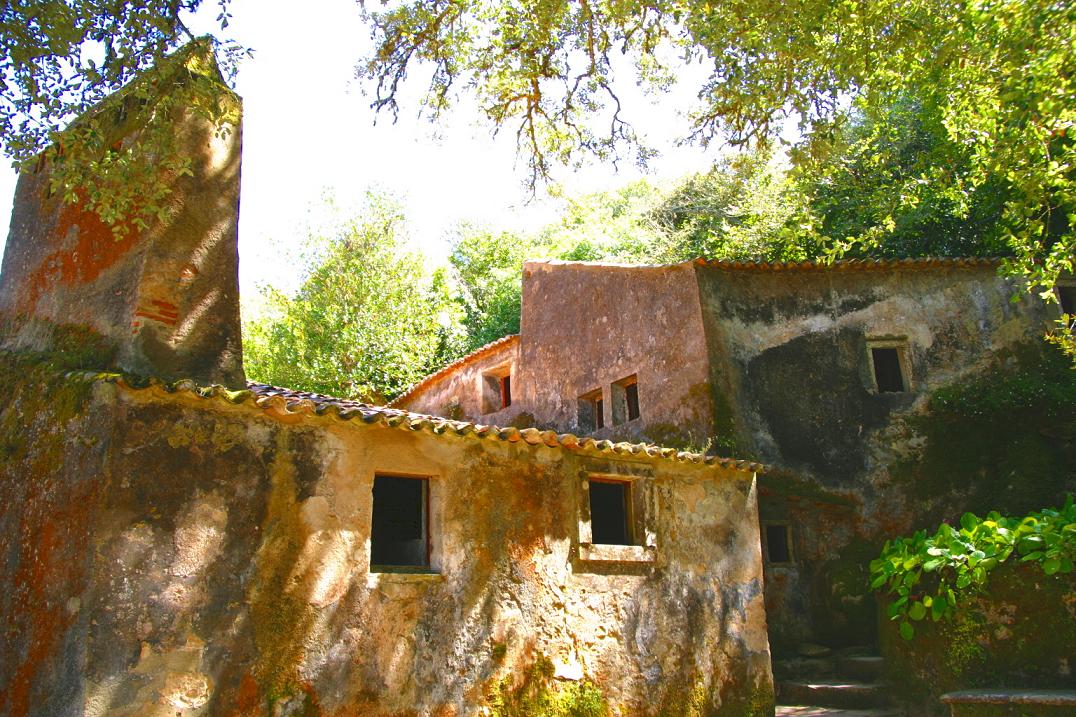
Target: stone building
column 164, row 296
column 173, row 548
column 820, row 370
column 179, row 550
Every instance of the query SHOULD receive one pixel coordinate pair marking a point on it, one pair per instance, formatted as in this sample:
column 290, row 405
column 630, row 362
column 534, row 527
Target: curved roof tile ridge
column 450, row 367
column 924, row 262
column 265, row 397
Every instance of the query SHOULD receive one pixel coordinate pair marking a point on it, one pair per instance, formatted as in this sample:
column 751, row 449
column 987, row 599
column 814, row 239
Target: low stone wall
column 1020, row 634
column 186, row 552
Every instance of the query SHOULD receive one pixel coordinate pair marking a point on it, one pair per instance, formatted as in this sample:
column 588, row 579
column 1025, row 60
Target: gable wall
column 586, row 326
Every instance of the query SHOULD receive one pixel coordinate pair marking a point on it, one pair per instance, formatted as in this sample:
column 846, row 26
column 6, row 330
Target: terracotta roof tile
column 836, row 265
column 854, row 264
column 305, row 403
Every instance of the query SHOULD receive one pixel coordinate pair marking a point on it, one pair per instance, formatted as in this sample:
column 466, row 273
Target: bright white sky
column 308, row 131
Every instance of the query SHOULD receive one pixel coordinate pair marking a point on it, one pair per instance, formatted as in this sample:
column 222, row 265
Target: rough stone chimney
column 164, row 297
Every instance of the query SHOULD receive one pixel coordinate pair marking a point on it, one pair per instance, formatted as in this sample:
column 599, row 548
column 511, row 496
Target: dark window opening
column 887, row 371
column 590, row 413
column 1067, row 296
column 399, row 536
column 496, row 390
column 625, row 400
column 609, row 514
column 506, row 391
column 778, row 549
column 631, row 395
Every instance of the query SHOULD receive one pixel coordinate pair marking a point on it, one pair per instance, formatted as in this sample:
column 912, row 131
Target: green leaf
column 1051, row 566
column 968, row 522
column 906, row 630
column 917, row 611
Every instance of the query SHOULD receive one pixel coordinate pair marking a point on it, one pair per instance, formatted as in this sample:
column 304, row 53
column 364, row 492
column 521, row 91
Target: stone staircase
column 819, row 682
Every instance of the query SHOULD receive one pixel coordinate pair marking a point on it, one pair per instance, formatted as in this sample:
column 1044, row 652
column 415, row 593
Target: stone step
column 832, row 693
column 860, row 667
column 805, row 711
column 793, row 668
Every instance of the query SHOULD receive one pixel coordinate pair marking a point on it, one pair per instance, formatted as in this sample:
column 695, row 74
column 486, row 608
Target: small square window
column 496, row 390
column 610, row 512
column 591, row 412
column 777, row 543
column 399, row 535
column 888, row 360
column 625, row 400
column 1066, row 296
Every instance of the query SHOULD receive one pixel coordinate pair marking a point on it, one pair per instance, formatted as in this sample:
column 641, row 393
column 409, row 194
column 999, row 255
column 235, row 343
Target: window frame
column 789, row 543
column 639, row 514
column 595, row 403
column 900, row 344
column 618, row 390
column 427, row 568
column 493, row 389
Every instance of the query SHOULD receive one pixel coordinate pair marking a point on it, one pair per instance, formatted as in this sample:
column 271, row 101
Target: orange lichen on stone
column 46, row 536
column 97, row 248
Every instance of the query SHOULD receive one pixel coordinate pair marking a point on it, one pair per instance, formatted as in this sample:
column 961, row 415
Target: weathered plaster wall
column 458, row 392
column 167, row 554
column 167, row 296
column 789, row 356
column 586, row 326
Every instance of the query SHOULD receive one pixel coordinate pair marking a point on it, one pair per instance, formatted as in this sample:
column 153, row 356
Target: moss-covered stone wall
column 987, row 421
column 1019, row 634
column 176, row 552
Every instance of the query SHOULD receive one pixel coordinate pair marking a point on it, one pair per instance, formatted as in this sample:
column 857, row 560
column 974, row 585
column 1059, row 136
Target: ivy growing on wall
column 931, row 575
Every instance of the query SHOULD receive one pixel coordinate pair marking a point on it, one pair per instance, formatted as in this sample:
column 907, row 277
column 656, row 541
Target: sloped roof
column 304, row 403
column 841, row 265
column 837, row 265
column 478, row 353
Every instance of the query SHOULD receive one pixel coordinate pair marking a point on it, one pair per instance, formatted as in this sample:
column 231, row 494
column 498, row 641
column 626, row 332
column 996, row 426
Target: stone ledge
column 591, row 553
column 374, row 579
column 1052, row 698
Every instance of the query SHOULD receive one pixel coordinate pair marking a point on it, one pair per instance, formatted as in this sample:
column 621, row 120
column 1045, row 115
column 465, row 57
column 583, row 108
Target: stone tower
column 164, row 297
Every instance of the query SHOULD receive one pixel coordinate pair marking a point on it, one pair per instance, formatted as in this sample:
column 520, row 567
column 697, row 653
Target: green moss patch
column 535, row 693
column 1003, row 441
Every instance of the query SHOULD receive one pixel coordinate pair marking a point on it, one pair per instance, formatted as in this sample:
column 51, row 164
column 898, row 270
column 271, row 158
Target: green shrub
column 930, row 575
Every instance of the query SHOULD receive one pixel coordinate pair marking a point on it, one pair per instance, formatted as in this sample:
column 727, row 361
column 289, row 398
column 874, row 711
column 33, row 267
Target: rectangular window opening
column 496, row 390
column 778, row 546
column 625, row 400
column 590, row 412
column 631, row 395
column 610, row 512
column 506, row 391
column 888, row 373
column 399, row 537
column 1066, row 296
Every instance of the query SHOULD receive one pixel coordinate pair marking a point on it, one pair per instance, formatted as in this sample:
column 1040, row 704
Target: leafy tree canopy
column 995, row 74
column 873, row 183
column 367, row 321
column 62, row 59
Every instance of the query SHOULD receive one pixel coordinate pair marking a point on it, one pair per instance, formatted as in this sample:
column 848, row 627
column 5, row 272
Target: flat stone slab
column 840, row 694
column 807, row 711
column 1058, row 698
